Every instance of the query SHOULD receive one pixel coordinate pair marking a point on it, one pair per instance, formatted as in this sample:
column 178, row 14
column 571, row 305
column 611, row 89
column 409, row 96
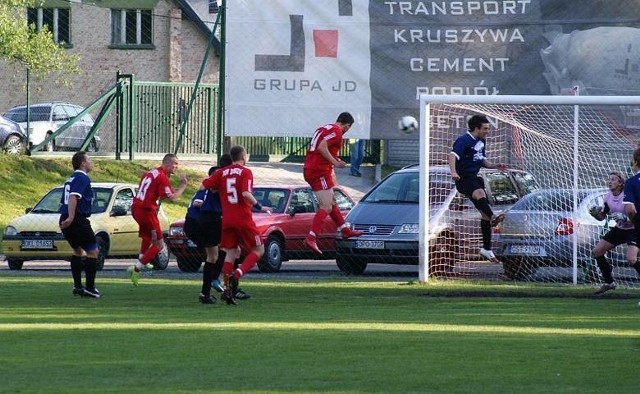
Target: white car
column 46, row 118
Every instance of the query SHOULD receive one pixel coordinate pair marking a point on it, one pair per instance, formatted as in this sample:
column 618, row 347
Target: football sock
column 144, row 245
column 217, row 267
column 90, row 269
column 149, row 254
column 227, row 269
column 318, row 221
column 485, row 228
column 248, row 263
column 207, row 276
column 336, row 216
column 605, row 269
column 76, row 271
column 483, row 206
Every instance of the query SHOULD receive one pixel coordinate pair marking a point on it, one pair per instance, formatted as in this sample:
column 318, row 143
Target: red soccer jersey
column 231, row 182
column 331, row 133
column 154, row 185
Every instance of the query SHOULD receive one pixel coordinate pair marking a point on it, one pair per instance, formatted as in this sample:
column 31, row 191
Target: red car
column 283, row 231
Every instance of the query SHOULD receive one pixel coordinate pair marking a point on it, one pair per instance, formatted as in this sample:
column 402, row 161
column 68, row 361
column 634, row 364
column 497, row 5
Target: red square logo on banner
column 326, row 43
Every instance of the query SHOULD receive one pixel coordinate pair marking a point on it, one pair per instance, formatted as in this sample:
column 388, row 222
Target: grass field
column 329, row 335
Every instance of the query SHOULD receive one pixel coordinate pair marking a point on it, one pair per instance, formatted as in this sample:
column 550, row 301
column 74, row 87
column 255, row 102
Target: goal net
column 559, row 152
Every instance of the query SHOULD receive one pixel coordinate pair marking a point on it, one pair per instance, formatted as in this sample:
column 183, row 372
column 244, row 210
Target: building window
column 213, row 6
column 131, row 28
column 56, row 20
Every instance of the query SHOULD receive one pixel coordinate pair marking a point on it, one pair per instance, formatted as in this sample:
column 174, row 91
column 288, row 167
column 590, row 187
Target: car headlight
column 176, row 231
column 411, row 228
column 10, row 230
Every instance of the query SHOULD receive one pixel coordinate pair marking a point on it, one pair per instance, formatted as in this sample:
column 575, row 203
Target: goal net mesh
column 559, row 158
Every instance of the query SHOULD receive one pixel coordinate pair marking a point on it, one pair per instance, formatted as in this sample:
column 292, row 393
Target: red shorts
column 148, row 222
column 324, row 180
column 245, row 234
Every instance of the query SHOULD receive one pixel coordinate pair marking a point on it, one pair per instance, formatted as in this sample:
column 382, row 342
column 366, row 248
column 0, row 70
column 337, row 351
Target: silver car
column 12, row 137
column 46, row 118
column 388, row 216
column 540, row 229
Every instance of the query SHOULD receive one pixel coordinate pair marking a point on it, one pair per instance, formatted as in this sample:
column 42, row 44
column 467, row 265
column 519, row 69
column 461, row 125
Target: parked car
column 388, row 215
column 539, row 230
column 37, row 236
column 12, row 137
column 282, row 232
column 46, row 118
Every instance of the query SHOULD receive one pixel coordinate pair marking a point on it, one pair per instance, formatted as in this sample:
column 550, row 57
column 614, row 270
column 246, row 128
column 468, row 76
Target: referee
column 75, row 209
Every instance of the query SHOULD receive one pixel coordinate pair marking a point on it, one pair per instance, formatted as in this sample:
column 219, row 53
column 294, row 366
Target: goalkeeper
column 623, row 232
column 466, row 158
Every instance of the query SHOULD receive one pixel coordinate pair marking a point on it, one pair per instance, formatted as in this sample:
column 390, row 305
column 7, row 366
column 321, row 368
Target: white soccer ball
column 407, row 124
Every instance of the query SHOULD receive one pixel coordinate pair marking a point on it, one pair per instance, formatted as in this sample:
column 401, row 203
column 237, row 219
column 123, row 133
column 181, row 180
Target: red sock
column 149, row 254
column 144, row 245
column 248, row 263
column 227, row 269
column 336, row 215
column 318, row 221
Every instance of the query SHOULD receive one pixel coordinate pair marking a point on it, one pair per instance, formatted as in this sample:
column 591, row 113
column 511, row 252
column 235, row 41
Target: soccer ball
column 407, row 124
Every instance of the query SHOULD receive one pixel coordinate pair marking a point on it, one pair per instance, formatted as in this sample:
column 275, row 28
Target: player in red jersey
column 321, row 157
column 154, row 185
column 234, row 184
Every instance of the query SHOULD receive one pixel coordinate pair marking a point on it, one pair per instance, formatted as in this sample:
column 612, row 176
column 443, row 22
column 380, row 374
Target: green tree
column 25, row 44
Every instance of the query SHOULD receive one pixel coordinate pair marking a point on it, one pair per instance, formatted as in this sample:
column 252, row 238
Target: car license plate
column 364, row 244
column 37, row 244
column 524, row 249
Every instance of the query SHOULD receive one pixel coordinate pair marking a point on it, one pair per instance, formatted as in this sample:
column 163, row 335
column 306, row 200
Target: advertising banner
column 293, row 65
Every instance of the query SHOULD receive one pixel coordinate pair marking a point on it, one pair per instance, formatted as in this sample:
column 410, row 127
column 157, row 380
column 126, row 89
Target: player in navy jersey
column 632, row 196
column 75, row 209
column 466, row 158
column 623, row 232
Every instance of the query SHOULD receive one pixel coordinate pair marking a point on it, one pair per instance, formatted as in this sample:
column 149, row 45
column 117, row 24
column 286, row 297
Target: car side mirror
column 118, row 210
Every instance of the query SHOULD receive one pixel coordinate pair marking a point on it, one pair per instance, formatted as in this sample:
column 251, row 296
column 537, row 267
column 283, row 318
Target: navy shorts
column 211, row 227
column 80, row 234
column 469, row 183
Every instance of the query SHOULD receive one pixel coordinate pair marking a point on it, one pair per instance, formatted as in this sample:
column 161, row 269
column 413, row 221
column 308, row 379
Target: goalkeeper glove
column 619, row 217
column 595, row 211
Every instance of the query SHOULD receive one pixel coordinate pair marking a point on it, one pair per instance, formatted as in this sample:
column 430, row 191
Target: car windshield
column 404, row 187
column 50, row 203
column 552, row 200
column 274, row 198
column 38, row 114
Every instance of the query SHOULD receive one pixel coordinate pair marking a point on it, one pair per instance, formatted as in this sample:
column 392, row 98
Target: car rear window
column 555, row 201
column 38, row 114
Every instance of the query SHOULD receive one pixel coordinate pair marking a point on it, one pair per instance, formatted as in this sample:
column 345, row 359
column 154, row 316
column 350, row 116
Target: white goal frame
column 425, row 148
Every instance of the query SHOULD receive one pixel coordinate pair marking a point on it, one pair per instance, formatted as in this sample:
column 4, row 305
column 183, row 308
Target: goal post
column 567, row 145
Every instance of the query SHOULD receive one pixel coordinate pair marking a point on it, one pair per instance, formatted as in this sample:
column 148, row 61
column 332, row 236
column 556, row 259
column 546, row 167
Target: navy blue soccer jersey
column 470, row 153
column 632, row 194
column 193, row 210
column 79, row 185
column 211, row 203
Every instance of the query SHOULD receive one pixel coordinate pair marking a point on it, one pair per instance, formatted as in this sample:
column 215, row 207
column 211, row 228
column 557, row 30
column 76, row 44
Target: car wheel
column 350, row 266
column 271, row 261
column 188, row 264
column 103, row 251
column 14, row 145
column 15, row 264
column 443, row 255
column 518, row 268
column 161, row 261
column 51, row 145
